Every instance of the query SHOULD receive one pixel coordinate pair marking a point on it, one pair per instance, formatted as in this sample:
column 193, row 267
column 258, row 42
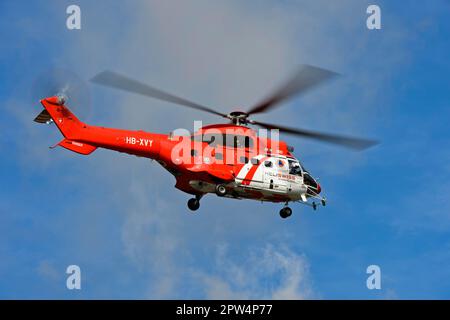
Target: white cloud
column 267, row 272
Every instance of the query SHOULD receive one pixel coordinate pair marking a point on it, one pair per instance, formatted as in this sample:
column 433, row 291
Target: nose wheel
column 285, row 212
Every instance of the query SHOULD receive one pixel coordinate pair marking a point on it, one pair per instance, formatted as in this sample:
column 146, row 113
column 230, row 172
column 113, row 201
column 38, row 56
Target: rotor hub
column 62, row 98
column 238, row 117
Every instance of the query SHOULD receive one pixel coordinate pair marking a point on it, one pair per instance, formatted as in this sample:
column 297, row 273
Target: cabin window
column 268, row 164
column 255, row 161
column 280, row 163
column 243, row 160
column 248, row 142
column 219, row 156
column 238, row 141
column 229, row 140
column 211, row 139
column 197, row 138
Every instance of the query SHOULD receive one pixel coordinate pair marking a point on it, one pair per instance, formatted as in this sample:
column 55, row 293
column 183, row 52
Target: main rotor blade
column 305, row 79
column 114, row 80
column 349, row 142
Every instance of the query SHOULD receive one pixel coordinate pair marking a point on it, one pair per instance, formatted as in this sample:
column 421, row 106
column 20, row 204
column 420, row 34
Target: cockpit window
column 302, row 166
column 295, row 168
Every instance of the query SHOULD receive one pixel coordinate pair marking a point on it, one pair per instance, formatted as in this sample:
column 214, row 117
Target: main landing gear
column 221, row 190
column 285, row 212
column 194, row 203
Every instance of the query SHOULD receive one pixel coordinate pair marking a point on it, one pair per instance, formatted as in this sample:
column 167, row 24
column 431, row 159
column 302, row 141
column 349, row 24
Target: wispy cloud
column 267, row 272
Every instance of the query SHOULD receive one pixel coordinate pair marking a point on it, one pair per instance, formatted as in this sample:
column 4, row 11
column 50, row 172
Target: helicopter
column 231, row 160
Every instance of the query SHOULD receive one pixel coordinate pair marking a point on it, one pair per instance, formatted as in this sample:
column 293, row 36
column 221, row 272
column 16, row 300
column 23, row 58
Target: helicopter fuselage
column 233, row 157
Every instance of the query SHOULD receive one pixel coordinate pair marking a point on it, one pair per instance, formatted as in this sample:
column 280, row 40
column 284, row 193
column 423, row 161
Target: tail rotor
column 70, row 88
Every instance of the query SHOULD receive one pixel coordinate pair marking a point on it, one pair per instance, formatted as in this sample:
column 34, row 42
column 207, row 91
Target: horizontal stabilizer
column 43, row 117
column 78, row 147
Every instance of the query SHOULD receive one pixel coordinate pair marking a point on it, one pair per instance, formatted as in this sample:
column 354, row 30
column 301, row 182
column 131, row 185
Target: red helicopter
column 228, row 159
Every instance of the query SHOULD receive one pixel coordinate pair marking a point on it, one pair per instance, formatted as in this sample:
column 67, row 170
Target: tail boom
column 84, row 139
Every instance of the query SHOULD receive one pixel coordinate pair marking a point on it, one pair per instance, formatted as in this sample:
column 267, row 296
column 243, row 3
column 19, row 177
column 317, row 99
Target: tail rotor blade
column 63, row 82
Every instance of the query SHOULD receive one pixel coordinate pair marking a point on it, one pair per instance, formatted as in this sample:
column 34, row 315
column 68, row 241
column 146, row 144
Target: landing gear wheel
column 314, row 205
column 193, row 204
column 324, row 202
column 221, row 190
column 285, row 212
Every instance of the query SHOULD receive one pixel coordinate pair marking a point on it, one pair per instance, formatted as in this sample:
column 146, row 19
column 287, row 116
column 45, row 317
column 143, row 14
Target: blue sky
column 119, row 217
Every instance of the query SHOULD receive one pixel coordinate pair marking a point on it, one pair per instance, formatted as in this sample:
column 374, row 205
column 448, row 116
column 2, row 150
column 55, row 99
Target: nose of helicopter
column 312, row 183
